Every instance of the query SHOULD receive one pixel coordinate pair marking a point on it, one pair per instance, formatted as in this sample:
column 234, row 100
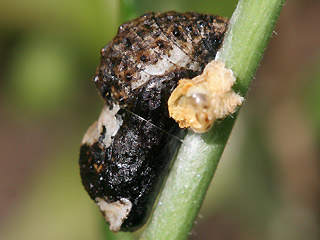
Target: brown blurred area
column 267, row 185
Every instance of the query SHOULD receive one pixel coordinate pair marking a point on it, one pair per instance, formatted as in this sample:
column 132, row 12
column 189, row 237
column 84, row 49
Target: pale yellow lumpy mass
column 198, row 102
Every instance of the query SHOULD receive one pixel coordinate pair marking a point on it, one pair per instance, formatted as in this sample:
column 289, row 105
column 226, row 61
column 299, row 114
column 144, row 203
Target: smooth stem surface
column 250, row 29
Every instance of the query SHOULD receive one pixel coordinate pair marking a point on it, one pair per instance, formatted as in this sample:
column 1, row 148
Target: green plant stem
column 249, row 31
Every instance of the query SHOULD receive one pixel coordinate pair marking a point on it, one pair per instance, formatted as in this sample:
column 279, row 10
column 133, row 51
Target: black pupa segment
column 151, row 99
column 132, row 167
column 153, row 46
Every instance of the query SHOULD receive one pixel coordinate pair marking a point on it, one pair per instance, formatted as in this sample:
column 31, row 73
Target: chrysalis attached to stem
column 125, row 156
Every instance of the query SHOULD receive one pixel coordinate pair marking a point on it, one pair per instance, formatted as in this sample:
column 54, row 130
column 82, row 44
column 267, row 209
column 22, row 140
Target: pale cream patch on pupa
column 115, row 212
column 198, row 102
column 108, row 119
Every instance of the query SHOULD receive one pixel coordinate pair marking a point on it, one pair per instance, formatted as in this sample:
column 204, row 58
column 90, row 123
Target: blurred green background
column 267, row 185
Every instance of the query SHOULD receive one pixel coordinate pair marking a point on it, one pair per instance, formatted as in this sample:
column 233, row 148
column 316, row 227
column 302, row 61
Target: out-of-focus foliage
column 267, row 185
column 34, row 76
column 312, row 95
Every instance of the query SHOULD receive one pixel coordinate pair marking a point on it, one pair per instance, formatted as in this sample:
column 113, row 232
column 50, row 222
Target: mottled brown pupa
column 126, row 154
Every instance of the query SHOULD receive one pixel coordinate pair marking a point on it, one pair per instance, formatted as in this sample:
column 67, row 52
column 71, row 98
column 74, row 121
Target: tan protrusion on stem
column 198, row 102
